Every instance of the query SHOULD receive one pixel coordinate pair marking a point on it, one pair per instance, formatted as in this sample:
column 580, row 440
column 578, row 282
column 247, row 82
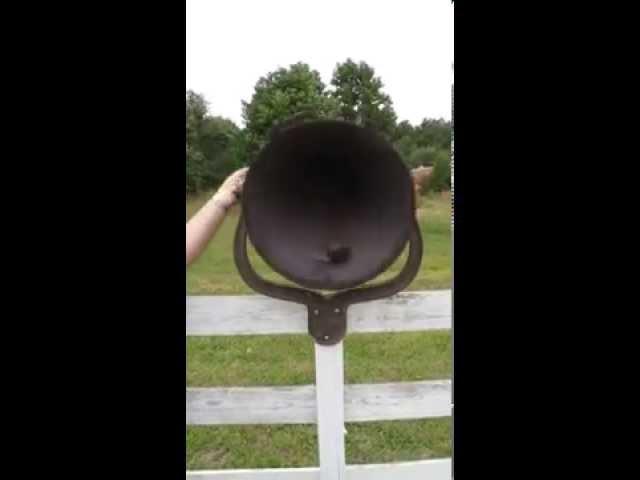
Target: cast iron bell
column 328, row 205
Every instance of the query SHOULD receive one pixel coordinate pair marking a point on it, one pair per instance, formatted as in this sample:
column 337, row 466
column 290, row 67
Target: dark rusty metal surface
column 327, row 315
column 328, row 204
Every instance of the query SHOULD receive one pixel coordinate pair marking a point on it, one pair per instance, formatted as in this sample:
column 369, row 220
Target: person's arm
column 421, row 177
column 204, row 224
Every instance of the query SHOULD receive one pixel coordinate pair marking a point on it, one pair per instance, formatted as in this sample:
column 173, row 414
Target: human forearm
column 205, row 223
column 203, row 226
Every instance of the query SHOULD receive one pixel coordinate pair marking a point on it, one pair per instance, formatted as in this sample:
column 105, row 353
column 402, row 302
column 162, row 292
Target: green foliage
column 239, row 148
column 280, row 95
column 360, row 97
column 405, row 146
column 195, row 170
column 216, row 146
column 441, row 179
column 436, row 133
column 428, row 144
column 196, row 111
column 423, row 156
column 403, row 130
column 210, row 157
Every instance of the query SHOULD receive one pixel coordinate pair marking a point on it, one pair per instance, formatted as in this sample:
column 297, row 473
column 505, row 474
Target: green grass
column 279, row 446
column 289, row 360
column 214, row 273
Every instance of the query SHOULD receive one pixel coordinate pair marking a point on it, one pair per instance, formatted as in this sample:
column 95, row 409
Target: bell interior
column 328, row 205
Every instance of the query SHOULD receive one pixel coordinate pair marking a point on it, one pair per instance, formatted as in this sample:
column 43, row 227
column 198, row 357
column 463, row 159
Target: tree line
column 216, row 146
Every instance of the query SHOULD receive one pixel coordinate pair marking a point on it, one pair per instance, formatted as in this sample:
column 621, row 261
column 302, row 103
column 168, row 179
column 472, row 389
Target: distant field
column 288, row 360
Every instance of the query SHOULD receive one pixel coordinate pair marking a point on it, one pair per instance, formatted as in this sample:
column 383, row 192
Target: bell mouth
column 328, row 205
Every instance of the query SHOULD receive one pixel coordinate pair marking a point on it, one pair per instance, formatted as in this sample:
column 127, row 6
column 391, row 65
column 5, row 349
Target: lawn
column 289, row 360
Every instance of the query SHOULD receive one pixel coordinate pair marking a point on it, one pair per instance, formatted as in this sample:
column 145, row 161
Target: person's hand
column 231, row 189
column 421, row 176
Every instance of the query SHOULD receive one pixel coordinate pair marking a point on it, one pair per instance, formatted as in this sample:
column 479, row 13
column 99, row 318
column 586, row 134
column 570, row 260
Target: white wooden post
column 330, row 404
column 334, row 402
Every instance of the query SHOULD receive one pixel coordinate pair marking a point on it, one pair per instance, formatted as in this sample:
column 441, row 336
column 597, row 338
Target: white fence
column 329, row 403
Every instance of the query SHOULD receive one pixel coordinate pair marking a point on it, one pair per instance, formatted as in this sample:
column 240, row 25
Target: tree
column 210, row 157
column 405, row 147
column 423, row 157
column 403, row 140
column 428, row 144
column 439, row 170
column 402, row 130
column 196, row 111
column 280, row 95
column 216, row 137
column 239, row 148
column 360, row 97
column 433, row 133
column 195, row 170
column 441, row 179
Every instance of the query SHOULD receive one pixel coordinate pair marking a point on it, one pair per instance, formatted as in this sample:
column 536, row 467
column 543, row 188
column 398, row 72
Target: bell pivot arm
column 260, row 285
column 327, row 315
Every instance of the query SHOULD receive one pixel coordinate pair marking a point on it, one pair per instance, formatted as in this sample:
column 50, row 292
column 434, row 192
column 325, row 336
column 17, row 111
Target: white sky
column 409, row 43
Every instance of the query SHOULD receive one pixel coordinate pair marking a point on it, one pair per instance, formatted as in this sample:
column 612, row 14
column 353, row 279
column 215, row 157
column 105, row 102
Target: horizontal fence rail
column 297, row 405
column 260, row 315
column 420, row 470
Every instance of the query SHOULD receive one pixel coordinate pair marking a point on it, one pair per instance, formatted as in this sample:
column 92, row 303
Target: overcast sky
column 409, row 43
